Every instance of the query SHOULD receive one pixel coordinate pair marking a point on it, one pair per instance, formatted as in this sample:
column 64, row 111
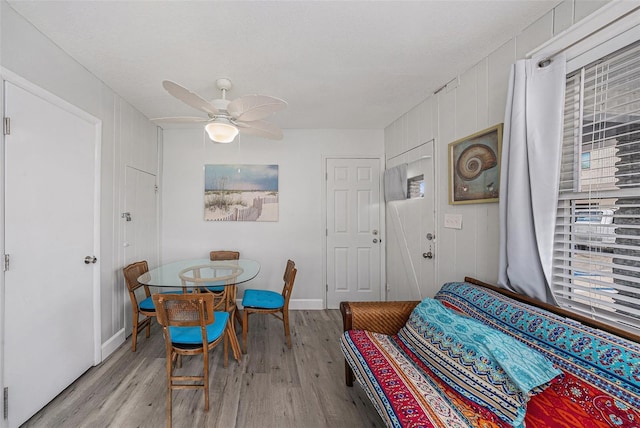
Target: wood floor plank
column 272, row 387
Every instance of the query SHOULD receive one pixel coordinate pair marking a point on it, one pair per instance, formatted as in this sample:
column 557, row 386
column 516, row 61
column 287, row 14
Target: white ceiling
column 339, row 64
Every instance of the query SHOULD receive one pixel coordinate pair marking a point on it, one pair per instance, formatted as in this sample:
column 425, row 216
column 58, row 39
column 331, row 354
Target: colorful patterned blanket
column 600, row 386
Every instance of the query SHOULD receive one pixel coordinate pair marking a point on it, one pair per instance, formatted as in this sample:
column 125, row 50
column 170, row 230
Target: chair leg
column 205, row 357
column 148, row 327
column 245, row 327
column 169, row 388
column 225, row 345
column 287, row 334
column 169, row 408
column 237, row 316
column 134, row 335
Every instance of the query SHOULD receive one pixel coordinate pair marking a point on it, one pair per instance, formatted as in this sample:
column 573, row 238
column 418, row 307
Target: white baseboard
column 306, row 304
column 113, row 343
column 299, row 304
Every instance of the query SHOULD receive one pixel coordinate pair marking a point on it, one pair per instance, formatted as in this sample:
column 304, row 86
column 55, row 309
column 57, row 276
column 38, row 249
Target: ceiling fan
column 226, row 118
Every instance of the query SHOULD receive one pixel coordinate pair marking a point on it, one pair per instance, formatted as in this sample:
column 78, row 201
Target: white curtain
column 395, row 183
column 530, row 170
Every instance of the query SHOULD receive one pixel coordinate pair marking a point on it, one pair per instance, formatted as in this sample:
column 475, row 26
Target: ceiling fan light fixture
column 221, row 132
column 225, row 119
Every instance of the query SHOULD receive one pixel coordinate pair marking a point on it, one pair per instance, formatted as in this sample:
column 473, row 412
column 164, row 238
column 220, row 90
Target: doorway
column 353, row 234
column 51, row 279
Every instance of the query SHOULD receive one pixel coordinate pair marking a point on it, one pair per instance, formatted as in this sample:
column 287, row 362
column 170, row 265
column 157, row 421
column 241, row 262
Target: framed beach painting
column 241, row 192
column 474, row 167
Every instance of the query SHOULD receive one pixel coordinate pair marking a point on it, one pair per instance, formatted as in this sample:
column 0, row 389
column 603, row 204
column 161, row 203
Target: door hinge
column 6, row 262
column 5, row 403
column 327, row 287
column 7, row 126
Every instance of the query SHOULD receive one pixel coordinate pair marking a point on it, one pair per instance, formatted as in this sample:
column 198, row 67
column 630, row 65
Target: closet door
column 141, row 226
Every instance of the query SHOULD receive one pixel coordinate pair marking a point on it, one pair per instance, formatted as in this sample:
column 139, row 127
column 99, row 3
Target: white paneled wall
column 300, row 231
column 470, row 102
column 128, row 138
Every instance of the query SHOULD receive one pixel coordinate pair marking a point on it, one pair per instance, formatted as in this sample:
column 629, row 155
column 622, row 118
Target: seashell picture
column 474, row 167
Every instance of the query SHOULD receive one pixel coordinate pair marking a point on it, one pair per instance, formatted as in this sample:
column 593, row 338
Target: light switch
column 453, row 221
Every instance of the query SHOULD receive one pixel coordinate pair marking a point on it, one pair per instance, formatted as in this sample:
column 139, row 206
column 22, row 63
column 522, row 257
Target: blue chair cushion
column 215, row 288
column 193, row 336
column 147, row 304
column 264, row 299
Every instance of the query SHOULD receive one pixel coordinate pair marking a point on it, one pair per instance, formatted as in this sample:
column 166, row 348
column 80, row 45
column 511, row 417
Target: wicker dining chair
column 145, row 306
column 190, row 326
column 221, row 255
column 269, row 302
column 224, row 255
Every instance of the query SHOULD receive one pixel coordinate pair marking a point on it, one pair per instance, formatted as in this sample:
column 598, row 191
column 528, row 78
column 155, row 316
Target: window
column 415, row 187
column 597, row 241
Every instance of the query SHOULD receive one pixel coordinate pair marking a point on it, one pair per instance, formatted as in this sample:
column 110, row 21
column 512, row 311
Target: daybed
column 418, row 372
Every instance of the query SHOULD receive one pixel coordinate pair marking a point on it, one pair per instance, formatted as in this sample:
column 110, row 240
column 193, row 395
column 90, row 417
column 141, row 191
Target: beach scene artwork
column 241, row 192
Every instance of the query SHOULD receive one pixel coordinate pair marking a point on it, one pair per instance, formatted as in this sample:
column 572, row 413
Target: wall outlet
column 453, row 221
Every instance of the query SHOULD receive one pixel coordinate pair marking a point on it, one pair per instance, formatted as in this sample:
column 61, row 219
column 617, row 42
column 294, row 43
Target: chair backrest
column 184, row 310
column 131, row 274
column 191, row 278
column 289, row 278
column 224, row 255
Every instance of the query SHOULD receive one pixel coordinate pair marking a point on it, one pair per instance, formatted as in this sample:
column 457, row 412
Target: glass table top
column 201, row 272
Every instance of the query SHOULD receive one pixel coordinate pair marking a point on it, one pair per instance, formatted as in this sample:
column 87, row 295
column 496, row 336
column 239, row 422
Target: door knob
column 90, row 259
column 375, row 240
column 427, row 255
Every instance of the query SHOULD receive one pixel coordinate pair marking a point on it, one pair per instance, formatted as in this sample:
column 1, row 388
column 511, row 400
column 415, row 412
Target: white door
column 411, row 240
column 141, row 226
column 50, row 202
column 353, row 231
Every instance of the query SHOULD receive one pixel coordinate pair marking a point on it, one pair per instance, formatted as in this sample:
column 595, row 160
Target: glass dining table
column 194, row 274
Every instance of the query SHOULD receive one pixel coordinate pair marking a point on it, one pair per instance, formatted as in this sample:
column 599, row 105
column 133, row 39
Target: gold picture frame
column 474, row 167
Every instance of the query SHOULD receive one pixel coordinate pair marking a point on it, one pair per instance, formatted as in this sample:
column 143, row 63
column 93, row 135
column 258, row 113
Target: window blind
column 597, row 238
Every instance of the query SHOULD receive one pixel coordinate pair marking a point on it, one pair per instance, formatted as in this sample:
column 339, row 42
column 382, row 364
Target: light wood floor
column 273, row 386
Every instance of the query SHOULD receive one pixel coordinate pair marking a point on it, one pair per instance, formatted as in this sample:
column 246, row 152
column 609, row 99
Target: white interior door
column 353, row 231
column 411, row 243
column 50, row 228
column 141, row 225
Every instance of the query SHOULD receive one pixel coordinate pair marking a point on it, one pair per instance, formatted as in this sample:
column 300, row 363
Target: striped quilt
column 600, row 386
column 407, row 394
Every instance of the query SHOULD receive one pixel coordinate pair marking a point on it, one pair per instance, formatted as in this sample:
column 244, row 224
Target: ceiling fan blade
column 183, row 119
column 260, row 128
column 250, row 108
column 188, row 97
